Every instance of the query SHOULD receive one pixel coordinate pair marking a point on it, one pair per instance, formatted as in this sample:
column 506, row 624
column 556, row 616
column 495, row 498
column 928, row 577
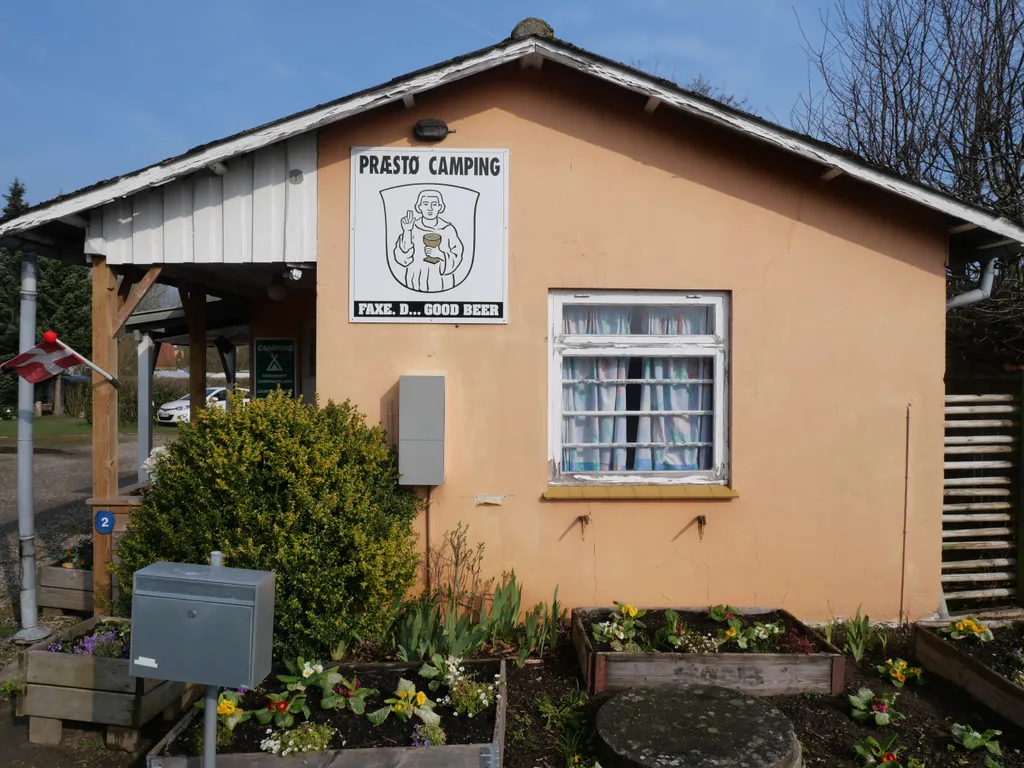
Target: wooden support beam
column 218, row 168
column 193, row 300
column 957, row 229
column 531, row 61
column 137, row 294
column 409, row 101
column 651, row 105
column 998, row 244
column 104, row 419
column 831, row 173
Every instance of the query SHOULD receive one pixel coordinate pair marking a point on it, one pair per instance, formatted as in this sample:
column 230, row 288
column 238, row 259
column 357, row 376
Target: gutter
column 982, row 292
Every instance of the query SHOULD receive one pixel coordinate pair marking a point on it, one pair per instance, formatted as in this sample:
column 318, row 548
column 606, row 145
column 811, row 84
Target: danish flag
column 46, row 359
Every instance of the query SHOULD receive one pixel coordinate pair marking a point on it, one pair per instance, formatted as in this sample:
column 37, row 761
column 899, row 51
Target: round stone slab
column 694, row 727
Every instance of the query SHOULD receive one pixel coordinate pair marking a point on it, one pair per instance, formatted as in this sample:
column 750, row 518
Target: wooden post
column 104, row 418
column 193, row 300
column 58, row 396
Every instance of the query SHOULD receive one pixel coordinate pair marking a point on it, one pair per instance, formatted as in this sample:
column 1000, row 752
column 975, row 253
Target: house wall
column 837, row 310
column 285, row 319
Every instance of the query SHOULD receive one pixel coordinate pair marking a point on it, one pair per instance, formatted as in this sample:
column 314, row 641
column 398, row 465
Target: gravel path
column 63, row 481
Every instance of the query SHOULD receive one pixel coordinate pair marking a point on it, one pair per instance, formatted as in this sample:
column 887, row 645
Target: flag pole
column 88, row 362
column 31, row 631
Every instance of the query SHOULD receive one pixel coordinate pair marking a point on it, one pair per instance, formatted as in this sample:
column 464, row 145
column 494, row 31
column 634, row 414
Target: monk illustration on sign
column 429, row 247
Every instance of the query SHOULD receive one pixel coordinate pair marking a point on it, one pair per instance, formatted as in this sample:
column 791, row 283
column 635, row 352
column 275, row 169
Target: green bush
column 309, row 493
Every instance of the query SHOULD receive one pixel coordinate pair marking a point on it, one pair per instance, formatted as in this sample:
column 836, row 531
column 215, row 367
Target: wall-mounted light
column 431, row 129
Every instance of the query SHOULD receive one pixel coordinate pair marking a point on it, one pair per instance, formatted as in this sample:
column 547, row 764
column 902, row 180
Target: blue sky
column 92, row 90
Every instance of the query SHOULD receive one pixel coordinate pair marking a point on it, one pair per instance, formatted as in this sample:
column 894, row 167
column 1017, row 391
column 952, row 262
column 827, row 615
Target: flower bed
column 82, row 676
column 378, row 715
column 986, row 659
column 760, row 651
column 66, row 584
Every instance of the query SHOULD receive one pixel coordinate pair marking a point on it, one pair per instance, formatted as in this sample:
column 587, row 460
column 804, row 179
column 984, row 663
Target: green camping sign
column 273, row 366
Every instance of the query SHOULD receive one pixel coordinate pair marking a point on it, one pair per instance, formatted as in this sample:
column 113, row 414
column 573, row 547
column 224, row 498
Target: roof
column 531, row 49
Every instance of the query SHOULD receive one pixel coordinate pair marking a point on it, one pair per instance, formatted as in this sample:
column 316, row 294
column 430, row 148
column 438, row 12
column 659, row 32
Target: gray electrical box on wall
column 421, row 430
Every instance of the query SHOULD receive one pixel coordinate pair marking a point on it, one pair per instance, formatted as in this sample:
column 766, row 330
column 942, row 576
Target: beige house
column 689, row 356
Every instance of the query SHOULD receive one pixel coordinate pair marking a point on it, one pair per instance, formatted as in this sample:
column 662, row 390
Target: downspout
column 973, row 296
column 982, row 292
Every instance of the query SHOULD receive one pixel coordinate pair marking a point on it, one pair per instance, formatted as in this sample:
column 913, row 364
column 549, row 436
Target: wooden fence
column 981, row 492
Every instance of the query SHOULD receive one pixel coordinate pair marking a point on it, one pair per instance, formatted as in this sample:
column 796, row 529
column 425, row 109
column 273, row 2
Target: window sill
column 638, row 492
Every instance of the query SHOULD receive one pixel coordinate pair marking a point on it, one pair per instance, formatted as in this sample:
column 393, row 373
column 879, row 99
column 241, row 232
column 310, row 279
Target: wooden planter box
column 86, row 689
column 64, row 589
column 448, row 756
column 757, row 674
column 943, row 658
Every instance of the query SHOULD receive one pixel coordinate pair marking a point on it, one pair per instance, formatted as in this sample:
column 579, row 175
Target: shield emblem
column 430, row 235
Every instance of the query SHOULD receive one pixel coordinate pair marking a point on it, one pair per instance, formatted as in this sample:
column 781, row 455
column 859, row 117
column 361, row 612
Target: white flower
column 319, row 668
column 307, row 671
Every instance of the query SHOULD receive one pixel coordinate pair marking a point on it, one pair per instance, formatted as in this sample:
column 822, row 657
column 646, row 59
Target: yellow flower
column 889, row 662
column 730, row 632
column 402, row 694
column 575, row 759
column 629, row 610
column 894, row 672
column 226, row 707
column 960, row 626
column 916, row 671
column 901, row 677
column 903, row 665
column 420, row 698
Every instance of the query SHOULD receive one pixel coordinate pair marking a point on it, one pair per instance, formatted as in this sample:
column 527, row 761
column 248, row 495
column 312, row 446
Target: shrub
column 309, row 493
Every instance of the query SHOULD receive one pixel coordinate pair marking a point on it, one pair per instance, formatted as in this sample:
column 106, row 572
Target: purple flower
column 56, row 647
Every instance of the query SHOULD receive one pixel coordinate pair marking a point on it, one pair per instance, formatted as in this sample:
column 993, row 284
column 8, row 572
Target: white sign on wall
column 429, row 236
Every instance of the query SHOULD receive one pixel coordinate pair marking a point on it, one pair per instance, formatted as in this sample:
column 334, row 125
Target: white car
column 178, row 410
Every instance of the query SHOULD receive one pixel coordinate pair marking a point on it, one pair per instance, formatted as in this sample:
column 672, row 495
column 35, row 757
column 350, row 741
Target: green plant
column 9, row 689
column 722, row 612
column 621, row 628
column 860, row 636
column 872, row 752
column 680, row 637
column 880, row 709
column 417, row 629
column 960, row 629
column 534, row 634
column 347, row 694
column 282, row 708
column 304, row 674
column 309, row 493
column 503, row 620
column 79, row 556
column 466, row 695
column 424, row 735
column 308, row 737
column 522, row 733
column 556, row 619
column 760, row 638
column 406, row 703
column 340, row 651
column 971, row 739
column 565, row 715
column 829, row 628
column 898, row 672
column 229, row 715
column 462, row 635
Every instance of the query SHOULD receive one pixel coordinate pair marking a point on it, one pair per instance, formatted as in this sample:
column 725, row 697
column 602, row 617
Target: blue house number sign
column 104, row 521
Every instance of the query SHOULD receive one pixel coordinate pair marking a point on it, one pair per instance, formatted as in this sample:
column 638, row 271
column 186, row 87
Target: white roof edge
column 618, row 75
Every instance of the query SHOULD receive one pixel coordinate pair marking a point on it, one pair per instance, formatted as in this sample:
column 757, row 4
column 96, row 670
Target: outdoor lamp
column 431, row 129
column 277, row 290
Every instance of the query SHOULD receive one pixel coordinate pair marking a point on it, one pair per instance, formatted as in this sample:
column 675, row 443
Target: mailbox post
column 203, row 624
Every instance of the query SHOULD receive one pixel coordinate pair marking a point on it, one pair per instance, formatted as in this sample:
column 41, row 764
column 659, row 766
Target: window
column 638, row 387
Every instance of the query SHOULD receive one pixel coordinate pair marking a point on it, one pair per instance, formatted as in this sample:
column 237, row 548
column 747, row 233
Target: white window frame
column 715, row 346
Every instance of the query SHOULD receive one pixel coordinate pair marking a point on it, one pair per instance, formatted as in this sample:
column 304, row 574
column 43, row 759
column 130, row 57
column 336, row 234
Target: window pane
column 647, row 414
column 599, row 319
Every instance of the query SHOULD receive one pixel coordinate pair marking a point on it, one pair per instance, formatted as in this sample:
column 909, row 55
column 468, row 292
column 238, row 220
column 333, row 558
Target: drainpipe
column 982, row 292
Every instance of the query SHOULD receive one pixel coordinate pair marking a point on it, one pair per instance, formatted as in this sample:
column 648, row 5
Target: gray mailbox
column 202, row 624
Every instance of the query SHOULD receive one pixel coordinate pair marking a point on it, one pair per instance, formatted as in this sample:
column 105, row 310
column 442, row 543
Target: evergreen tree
column 63, row 304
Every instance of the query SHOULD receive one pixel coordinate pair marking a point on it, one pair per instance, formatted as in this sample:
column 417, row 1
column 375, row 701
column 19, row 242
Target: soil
column 822, row 723
column 700, row 622
column 998, row 653
column 355, row 730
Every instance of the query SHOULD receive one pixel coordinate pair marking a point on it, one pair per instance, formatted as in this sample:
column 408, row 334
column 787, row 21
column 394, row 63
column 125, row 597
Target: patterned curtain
column 579, row 394
column 676, row 397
